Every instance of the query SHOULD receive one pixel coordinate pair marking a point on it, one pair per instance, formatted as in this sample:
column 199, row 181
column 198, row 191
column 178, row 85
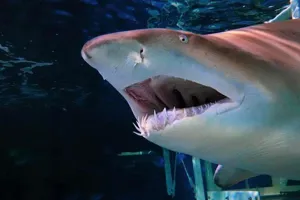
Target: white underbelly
column 275, row 153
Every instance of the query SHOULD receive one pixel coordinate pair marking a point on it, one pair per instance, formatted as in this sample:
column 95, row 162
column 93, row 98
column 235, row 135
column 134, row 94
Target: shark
column 231, row 98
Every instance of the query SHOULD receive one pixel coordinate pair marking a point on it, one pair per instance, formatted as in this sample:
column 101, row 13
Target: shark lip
column 163, row 100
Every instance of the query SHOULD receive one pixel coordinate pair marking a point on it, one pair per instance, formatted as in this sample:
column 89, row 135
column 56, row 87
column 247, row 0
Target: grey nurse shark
column 231, row 98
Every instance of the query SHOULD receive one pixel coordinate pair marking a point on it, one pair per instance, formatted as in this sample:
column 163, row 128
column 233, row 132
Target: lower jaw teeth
column 159, row 121
column 164, row 118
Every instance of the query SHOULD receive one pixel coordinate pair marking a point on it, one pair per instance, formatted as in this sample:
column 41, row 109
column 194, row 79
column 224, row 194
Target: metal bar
column 199, row 186
column 168, row 172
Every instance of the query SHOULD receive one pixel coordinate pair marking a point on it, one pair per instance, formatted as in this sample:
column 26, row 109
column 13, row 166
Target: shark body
column 231, row 98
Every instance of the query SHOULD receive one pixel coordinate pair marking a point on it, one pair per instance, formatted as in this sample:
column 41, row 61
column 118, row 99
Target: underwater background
column 62, row 127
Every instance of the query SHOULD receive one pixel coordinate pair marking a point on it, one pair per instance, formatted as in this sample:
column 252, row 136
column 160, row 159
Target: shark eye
column 183, row 38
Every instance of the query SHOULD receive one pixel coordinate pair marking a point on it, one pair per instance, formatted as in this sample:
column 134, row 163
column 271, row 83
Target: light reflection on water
column 22, row 69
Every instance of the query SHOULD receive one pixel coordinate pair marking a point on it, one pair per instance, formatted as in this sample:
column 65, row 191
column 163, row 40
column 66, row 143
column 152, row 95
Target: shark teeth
column 140, row 126
column 159, row 121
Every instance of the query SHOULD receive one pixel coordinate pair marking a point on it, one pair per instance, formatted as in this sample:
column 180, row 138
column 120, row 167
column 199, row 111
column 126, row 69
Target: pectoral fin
column 226, row 176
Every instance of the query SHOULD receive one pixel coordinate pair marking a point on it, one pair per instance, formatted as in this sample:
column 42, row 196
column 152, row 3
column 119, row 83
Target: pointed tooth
column 155, row 120
column 165, row 111
column 137, row 127
column 174, row 112
column 165, row 117
column 172, row 115
column 201, row 108
column 138, row 120
column 155, row 115
column 139, row 134
column 184, row 112
column 144, row 119
column 194, row 111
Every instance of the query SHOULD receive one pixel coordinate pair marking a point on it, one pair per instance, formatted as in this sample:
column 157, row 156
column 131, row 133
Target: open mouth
column 164, row 100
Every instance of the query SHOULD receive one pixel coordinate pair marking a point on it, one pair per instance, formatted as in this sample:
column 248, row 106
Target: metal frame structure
column 213, row 192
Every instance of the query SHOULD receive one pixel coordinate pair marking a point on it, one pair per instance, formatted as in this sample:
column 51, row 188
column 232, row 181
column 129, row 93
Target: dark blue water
column 61, row 125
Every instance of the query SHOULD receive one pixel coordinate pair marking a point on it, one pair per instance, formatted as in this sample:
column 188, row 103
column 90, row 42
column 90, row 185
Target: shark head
column 156, row 67
column 191, row 93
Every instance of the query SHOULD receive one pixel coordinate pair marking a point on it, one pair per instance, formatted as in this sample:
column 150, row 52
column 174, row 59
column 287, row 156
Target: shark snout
column 92, row 54
column 85, row 54
column 90, row 46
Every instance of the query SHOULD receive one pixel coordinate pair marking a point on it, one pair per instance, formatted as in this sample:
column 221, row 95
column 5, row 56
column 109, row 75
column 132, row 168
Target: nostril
column 85, row 54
